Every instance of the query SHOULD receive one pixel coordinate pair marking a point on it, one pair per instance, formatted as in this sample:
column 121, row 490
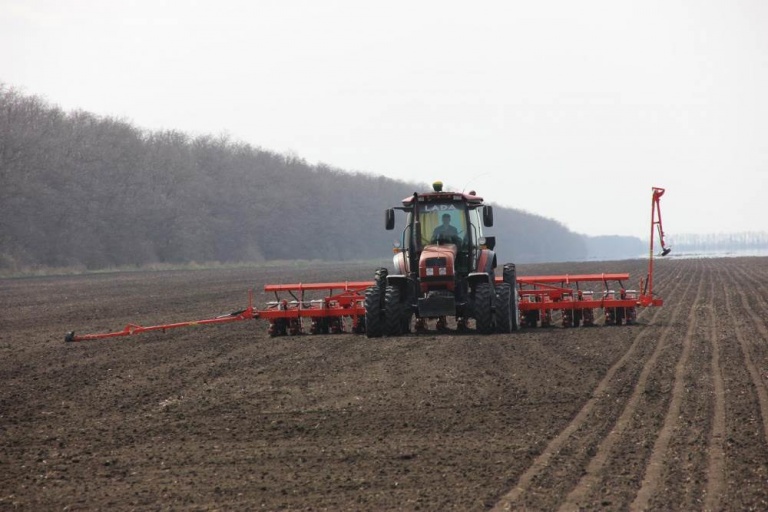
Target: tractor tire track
column 581, row 433
column 666, row 459
column 716, row 445
column 599, row 482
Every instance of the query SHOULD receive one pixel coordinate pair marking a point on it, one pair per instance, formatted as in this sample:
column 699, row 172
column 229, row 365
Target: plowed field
column 668, row 414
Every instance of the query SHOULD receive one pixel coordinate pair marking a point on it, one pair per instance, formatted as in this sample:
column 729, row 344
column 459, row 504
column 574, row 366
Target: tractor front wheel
column 374, row 321
column 483, row 309
column 393, row 312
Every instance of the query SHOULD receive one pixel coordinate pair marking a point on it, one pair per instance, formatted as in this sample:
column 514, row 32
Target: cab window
column 448, row 220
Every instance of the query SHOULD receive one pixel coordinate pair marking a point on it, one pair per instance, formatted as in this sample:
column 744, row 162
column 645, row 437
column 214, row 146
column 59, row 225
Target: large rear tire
column 509, row 274
column 483, row 309
column 374, row 315
column 393, row 312
column 503, row 306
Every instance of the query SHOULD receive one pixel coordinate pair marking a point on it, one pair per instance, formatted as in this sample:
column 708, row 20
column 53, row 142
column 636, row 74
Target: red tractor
column 443, row 267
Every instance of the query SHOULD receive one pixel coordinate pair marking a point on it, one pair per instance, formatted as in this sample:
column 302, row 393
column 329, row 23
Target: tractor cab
column 443, row 267
column 447, row 223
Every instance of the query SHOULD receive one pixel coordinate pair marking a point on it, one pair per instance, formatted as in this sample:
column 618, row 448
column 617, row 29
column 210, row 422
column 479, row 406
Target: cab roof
column 444, row 197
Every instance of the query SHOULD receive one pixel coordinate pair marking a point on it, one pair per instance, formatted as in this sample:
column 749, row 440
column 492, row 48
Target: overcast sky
column 568, row 109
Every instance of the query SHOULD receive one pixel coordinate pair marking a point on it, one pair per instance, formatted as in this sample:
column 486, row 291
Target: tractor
column 443, row 267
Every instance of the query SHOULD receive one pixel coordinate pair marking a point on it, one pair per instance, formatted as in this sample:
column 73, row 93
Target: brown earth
column 669, row 414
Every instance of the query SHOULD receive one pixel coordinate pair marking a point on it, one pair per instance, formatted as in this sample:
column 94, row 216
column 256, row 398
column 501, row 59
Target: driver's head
column 446, row 218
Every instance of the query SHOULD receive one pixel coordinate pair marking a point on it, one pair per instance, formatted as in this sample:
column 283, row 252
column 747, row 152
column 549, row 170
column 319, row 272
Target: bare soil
column 668, row 414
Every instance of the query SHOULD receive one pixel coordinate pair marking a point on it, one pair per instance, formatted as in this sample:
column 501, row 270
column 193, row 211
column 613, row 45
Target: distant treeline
column 82, row 190
column 719, row 242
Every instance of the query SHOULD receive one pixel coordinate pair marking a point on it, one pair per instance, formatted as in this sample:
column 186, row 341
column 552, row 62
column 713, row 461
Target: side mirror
column 389, row 219
column 488, row 215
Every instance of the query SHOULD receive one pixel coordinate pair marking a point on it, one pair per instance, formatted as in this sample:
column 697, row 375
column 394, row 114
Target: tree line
column 720, row 242
column 77, row 189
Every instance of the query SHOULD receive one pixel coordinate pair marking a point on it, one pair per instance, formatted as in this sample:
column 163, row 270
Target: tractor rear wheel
column 503, row 313
column 394, row 312
column 374, row 321
column 483, row 309
column 509, row 274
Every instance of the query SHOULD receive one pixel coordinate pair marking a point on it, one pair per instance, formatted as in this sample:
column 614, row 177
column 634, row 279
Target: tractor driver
column 445, row 231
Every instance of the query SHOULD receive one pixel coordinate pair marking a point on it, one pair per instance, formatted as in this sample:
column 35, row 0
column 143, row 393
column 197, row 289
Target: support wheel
column 278, row 328
column 621, row 314
column 532, row 319
column 483, row 310
column 359, row 325
column 577, row 316
column 374, row 315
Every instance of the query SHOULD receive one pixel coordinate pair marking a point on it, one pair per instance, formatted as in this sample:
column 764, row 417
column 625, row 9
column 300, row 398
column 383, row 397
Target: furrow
column 653, row 473
column 746, row 445
column 715, row 446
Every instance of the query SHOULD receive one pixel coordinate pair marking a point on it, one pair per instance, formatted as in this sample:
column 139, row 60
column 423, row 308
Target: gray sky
column 570, row 110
